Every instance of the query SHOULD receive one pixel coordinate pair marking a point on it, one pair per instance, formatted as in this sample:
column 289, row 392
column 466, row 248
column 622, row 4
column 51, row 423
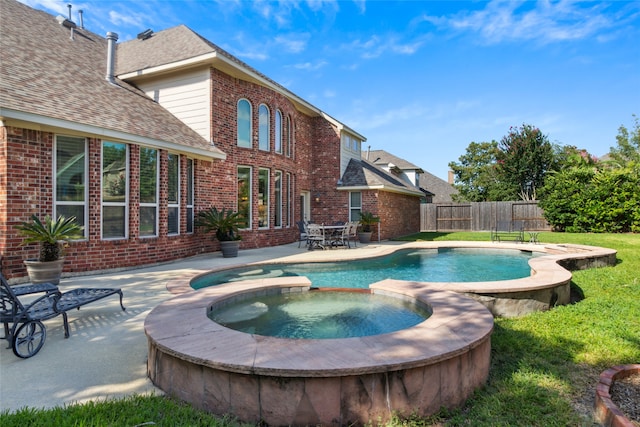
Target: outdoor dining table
column 329, row 232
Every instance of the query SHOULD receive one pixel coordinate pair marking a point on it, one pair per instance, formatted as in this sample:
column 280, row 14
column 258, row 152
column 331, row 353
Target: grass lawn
column 544, row 365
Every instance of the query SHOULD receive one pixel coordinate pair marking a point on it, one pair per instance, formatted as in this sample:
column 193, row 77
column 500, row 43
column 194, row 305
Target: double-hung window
column 173, row 194
column 149, row 192
column 263, row 198
column 115, row 190
column 70, row 179
column 277, row 195
column 244, row 195
column 355, row 205
column 190, row 190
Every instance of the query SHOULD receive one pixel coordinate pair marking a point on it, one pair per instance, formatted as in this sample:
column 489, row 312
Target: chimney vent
column 112, row 38
column 145, row 34
column 81, row 20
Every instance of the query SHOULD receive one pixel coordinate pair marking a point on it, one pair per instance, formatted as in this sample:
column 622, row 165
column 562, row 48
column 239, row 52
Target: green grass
column 544, row 365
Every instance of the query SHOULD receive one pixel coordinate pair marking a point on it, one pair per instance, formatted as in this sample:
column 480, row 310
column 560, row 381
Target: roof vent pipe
column 112, row 38
column 81, row 20
column 69, row 6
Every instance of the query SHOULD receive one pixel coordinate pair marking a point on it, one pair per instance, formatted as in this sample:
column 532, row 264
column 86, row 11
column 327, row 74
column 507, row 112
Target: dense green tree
column 475, row 173
column 524, row 158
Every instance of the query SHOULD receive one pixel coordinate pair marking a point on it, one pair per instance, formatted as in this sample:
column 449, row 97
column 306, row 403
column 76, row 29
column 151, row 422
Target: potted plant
column 367, row 219
column 224, row 223
column 50, row 234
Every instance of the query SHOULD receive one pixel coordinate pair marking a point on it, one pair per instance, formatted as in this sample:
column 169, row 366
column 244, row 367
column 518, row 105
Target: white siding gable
column 186, row 96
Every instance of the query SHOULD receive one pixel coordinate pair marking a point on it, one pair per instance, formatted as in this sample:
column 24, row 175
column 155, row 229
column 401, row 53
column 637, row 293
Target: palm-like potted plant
column 367, row 219
column 225, row 224
column 50, row 234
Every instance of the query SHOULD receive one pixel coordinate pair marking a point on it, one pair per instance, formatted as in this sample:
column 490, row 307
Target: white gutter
column 28, row 120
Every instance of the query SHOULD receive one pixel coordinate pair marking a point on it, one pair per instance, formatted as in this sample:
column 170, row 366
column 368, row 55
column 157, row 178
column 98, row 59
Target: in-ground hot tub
column 436, row 363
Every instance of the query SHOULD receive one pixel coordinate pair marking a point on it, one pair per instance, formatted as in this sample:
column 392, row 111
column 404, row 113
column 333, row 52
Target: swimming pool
column 422, row 265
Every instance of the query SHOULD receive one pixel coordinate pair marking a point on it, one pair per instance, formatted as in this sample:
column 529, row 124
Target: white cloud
column 544, row 21
column 294, row 43
column 309, row 66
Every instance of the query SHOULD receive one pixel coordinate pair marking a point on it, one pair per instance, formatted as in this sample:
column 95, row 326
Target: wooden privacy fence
column 480, row 216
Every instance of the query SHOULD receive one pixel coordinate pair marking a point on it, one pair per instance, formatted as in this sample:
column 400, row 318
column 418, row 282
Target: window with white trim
column 115, row 190
column 190, row 195
column 244, row 123
column 263, row 198
column 70, row 179
column 355, row 205
column 173, row 193
column 289, row 212
column 278, row 133
column 264, row 117
column 244, row 195
column 289, row 139
column 277, row 196
column 149, row 178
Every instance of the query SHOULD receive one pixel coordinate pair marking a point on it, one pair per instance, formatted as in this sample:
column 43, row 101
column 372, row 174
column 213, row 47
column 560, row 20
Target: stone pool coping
column 456, row 325
column 547, row 286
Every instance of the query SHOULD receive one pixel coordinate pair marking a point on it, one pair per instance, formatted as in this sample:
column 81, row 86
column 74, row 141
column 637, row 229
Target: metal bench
column 27, row 333
column 508, row 230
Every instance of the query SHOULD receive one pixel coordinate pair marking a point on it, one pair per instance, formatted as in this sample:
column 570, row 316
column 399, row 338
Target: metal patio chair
column 27, row 333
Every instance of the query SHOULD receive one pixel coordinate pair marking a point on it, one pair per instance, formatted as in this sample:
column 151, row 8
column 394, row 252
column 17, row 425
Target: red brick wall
column 314, row 165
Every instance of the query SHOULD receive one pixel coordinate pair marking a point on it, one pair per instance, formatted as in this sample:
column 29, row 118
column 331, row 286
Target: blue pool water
column 423, row 265
column 319, row 315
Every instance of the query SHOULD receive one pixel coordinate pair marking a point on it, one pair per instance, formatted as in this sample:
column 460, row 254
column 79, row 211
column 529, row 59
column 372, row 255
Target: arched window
column 244, row 123
column 278, row 142
column 263, row 127
column 289, row 145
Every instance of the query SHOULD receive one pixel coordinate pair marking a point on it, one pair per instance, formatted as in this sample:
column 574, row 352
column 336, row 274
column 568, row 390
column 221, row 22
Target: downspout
column 112, row 38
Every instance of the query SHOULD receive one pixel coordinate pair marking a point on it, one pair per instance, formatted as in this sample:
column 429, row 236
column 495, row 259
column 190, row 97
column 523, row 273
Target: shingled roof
column 53, row 76
column 361, row 175
column 430, row 184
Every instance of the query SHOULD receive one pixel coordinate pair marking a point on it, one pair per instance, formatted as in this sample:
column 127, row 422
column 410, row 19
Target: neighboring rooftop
column 439, row 190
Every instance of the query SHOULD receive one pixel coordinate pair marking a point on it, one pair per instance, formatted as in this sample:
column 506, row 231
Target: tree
column 524, row 158
column 475, row 174
column 627, row 152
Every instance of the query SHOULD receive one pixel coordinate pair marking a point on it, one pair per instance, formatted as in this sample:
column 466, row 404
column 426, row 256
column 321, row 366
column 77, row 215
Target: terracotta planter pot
column 42, row 272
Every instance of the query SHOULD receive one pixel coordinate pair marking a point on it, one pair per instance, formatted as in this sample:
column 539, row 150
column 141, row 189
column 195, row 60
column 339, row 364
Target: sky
column 422, row 79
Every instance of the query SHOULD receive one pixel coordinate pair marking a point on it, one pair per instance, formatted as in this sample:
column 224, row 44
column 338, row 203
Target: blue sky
column 423, row 79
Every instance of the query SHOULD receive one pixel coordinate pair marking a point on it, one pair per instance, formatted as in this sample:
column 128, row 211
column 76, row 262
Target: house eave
column 386, row 188
column 32, row 121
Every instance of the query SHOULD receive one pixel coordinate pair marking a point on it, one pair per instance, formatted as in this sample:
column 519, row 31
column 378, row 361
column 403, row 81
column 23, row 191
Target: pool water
column 320, row 315
column 422, row 265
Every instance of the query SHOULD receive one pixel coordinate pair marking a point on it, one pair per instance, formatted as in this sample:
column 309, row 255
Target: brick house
column 133, row 139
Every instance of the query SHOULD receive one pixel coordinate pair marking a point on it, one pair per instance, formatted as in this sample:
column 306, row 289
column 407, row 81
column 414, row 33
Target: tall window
column 244, row 194
column 277, row 195
column 70, row 179
column 190, row 189
column 289, row 213
column 355, row 205
column 244, row 123
column 115, row 190
column 278, row 141
column 263, row 127
column 263, row 198
column 289, row 140
column 148, row 192
column 173, row 193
